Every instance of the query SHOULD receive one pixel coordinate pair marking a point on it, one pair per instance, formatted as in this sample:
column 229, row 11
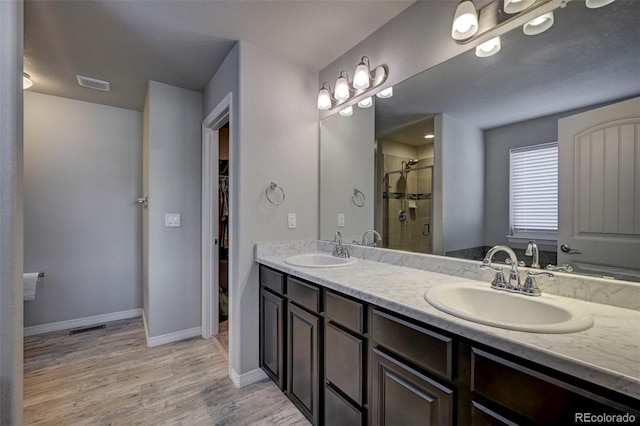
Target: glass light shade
column 538, row 25
column 361, row 77
column 342, row 89
column 386, row 93
column 465, row 21
column 429, row 136
column 594, row 4
column 324, row 99
column 515, row 6
column 366, row 102
column 347, row 111
column 488, row 48
column 26, row 81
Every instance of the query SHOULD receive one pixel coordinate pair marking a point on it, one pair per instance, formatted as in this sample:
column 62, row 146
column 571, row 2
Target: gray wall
column 347, row 159
column 458, row 185
column 415, row 40
column 275, row 133
column 82, row 227
column 11, row 226
column 173, row 145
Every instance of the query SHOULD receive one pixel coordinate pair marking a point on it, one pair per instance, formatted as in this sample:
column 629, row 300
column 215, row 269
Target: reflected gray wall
column 347, row 159
column 174, row 186
column 82, row 227
column 458, row 185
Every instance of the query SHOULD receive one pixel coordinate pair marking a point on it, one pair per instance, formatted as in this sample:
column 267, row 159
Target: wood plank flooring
column 110, row 377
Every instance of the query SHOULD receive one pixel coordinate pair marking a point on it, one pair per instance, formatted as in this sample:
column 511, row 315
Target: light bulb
column 594, row 4
column 465, row 21
column 429, row 136
column 515, row 6
column 362, row 76
column 347, row 111
column 324, row 99
column 26, row 81
column 538, row 25
column 342, row 89
column 366, row 102
column 488, row 48
column 386, row 93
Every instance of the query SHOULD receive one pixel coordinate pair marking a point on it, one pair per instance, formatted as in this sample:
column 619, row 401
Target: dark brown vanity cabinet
column 407, row 362
column 345, row 369
column 304, row 348
column 272, row 324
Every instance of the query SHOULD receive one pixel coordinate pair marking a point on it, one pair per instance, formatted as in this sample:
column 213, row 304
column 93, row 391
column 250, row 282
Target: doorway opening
column 217, row 222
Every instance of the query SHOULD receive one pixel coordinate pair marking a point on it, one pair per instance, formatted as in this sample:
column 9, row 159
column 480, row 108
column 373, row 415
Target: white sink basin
column 484, row 305
column 319, row 260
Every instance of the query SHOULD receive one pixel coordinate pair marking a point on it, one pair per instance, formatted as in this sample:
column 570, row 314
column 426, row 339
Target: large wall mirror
column 451, row 194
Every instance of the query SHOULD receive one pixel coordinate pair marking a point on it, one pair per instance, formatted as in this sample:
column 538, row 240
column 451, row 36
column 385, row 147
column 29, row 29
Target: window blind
column 534, row 189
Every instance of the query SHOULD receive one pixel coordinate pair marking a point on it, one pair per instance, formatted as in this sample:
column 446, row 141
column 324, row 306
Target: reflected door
column 599, row 191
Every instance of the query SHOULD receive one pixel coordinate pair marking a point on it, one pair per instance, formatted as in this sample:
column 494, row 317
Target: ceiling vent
column 92, row 83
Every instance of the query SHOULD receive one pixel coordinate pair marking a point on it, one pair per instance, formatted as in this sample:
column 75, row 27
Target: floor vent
column 86, row 329
column 93, row 83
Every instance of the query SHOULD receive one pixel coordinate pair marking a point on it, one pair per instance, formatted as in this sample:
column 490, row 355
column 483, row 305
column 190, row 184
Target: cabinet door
column 272, row 336
column 303, row 370
column 404, row 396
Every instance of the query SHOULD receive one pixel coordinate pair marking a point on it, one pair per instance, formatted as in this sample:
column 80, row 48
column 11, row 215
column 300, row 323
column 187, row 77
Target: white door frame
column 220, row 115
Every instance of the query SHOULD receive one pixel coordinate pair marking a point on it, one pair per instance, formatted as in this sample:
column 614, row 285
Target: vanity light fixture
column 364, row 80
column 366, row 102
column 324, row 97
column 342, row 92
column 538, row 25
column 386, row 93
column 488, row 48
column 594, row 4
column 26, row 80
column 429, row 136
column 517, row 6
column 465, row 21
column 346, row 111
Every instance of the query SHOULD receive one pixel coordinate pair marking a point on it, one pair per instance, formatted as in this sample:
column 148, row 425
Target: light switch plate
column 292, row 220
column 340, row 220
column 171, row 220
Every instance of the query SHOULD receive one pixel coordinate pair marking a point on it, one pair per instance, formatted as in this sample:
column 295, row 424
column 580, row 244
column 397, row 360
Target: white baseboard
column 172, row 337
column 248, row 378
column 81, row 322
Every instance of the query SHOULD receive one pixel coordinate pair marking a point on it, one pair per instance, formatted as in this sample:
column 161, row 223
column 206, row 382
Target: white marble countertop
column 607, row 354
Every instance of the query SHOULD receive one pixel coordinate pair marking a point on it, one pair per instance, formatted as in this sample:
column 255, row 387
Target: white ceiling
column 181, row 43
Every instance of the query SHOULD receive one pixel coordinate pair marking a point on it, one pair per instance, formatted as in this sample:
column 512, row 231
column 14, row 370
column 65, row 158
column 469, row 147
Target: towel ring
column 358, row 197
column 270, row 189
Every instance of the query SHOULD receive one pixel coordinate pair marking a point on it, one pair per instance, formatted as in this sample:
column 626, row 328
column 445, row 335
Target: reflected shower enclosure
column 406, row 207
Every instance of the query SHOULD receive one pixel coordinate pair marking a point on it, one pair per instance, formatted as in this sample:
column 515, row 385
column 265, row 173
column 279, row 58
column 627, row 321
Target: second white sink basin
column 484, row 305
column 319, row 260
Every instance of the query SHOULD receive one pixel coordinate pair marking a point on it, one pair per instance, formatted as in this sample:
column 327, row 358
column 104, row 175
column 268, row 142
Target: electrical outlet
column 292, row 220
column 340, row 220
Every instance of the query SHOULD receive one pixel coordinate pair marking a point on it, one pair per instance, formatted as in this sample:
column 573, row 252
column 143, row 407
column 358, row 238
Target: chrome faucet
column 339, row 250
column 532, row 250
column 499, row 282
column 365, row 241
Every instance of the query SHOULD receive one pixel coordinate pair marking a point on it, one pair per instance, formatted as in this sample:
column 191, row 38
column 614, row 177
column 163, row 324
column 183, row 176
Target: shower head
column 410, row 163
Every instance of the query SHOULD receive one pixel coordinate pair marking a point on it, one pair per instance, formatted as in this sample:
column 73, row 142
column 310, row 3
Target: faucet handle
column 486, row 264
column 530, row 286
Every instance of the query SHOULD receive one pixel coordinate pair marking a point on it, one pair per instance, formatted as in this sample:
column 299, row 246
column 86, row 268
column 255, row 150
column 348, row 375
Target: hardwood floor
column 110, row 377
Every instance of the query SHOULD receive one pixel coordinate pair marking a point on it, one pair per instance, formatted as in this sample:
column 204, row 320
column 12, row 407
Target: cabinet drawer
column 343, row 355
column 482, row 416
column 304, row 294
column 271, row 279
column 404, row 396
column 345, row 312
column 532, row 394
column 422, row 347
column 339, row 412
